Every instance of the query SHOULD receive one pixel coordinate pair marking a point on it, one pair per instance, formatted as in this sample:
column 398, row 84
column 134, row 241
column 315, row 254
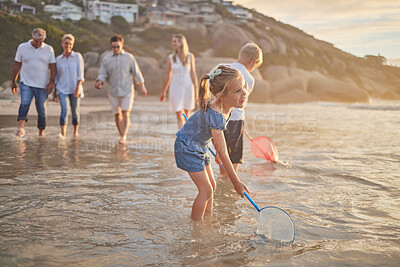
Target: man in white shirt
column 250, row 57
column 119, row 67
column 32, row 61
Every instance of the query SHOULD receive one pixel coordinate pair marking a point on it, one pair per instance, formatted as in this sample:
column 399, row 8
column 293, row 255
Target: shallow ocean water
column 92, row 202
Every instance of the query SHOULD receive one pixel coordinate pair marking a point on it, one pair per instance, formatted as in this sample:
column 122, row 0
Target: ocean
column 92, row 202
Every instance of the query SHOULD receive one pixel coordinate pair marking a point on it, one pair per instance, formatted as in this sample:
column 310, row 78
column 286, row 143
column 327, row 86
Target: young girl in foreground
column 227, row 86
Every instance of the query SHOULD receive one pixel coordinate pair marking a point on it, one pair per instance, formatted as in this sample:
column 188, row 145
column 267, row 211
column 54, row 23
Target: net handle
column 251, row 201
column 247, row 134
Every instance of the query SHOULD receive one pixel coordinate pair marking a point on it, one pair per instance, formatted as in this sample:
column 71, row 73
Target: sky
column 359, row 27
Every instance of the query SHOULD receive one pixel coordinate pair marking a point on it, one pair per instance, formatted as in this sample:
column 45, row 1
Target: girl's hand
column 240, row 188
column 218, row 159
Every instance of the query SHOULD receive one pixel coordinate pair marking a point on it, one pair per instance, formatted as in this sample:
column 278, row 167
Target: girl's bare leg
column 187, row 113
column 213, row 184
column 205, row 188
column 180, row 119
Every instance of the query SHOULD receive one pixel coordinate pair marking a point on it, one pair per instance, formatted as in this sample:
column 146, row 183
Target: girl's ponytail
column 204, row 92
column 216, row 83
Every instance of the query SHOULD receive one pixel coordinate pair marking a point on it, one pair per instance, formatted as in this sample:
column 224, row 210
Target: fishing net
column 262, row 147
column 275, row 224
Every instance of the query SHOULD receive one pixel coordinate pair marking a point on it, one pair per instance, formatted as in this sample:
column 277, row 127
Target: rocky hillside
column 297, row 67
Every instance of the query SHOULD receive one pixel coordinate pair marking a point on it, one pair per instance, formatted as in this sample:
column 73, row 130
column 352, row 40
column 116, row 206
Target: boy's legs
column 26, row 100
column 234, row 143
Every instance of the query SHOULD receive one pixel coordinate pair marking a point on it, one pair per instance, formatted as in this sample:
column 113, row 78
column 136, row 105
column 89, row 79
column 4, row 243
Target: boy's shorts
column 125, row 102
column 234, row 140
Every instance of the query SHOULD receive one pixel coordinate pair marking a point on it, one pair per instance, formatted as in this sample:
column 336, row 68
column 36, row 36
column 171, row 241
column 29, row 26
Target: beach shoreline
column 87, row 105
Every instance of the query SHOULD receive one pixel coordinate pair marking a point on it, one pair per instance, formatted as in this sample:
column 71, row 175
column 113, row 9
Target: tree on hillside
column 120, row 25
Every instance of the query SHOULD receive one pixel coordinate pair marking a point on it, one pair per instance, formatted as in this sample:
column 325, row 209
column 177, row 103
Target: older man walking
column 32, row 61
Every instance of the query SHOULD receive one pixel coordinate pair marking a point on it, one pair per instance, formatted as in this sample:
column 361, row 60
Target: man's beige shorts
column 124, row 103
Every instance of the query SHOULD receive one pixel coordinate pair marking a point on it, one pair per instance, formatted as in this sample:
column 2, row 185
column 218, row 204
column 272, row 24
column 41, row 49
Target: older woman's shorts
column 189, row 159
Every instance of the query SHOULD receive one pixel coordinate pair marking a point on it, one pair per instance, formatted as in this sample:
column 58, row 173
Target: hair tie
column 216, row 73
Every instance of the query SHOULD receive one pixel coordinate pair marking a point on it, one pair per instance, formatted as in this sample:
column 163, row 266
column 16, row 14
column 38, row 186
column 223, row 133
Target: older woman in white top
column 181, row 78
column 69, row 81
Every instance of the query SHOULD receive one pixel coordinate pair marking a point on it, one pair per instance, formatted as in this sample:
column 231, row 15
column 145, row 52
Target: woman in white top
column 69, row 81
column 181, row 78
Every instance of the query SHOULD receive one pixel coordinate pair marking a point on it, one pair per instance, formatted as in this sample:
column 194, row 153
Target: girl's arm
column 220, row 145
column 193, row 75
column 167, row 79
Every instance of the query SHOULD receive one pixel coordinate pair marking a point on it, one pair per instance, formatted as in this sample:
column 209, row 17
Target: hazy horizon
column 359, row 27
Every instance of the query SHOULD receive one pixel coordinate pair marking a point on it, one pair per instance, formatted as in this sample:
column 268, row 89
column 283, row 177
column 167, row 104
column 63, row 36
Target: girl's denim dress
column 193, row 139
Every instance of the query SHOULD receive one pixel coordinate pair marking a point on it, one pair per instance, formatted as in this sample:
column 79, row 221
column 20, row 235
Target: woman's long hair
column 184, row 53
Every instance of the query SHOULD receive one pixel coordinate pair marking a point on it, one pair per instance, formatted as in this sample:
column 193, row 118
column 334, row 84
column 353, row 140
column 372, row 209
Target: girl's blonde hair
column 216, row 84
column 185, row 49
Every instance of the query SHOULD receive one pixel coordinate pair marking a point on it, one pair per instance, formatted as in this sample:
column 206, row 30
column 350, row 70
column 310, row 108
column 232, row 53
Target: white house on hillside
column 104, row 11
column 65, row 11
column 16, row 7
column 178, row 14
column 238, row 11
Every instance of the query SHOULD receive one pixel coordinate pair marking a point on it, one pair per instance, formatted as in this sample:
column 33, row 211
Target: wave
column 375, row 107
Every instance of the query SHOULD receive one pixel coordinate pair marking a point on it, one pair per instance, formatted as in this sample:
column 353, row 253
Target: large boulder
column 198, row 28
column 290, row 90
column 206, row 64
column 261, row 92
column 265, row 45
column 91, row 59
column 91, row 74
column 256, row 74
column 326, row 89
column 91, row 91
column 380, row 89
column 6, row 93
column 229, row 38
column 379, row 85
column 294, row 96
column 153, row 75
column 275, row 73
column 303, row 75
column 285, row 85
column 6, row 84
